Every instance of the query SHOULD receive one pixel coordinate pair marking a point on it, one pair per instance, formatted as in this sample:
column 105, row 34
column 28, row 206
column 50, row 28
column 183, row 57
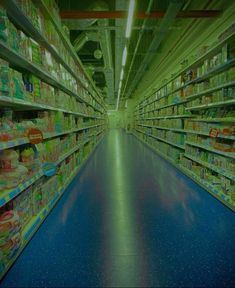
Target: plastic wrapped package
column 16, row 84
column 4, row 78
column 10, row 238
column 22, row 205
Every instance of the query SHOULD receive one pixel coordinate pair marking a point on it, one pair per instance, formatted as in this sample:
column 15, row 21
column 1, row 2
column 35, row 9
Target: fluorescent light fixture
column 119, row 92
column 120, row 85
column 130, row 18
column 122, row 74
column 124, row 56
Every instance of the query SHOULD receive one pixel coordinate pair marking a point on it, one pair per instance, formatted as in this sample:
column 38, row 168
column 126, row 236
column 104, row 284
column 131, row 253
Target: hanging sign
column 214, row 132
column 35, row 136
column 49, row 169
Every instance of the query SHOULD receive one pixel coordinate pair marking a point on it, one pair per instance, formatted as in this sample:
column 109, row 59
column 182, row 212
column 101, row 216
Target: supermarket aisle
column 130, row 219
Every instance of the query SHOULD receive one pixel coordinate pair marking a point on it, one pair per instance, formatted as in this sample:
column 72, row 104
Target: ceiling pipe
column 104, row 38
column 138, row 15
column 119, row 41
column 106, row 48
column 138, row 43
column 169, row 18
column 83, row 38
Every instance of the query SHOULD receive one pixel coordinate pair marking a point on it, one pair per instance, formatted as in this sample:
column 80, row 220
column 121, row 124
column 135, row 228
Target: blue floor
column 130, row 219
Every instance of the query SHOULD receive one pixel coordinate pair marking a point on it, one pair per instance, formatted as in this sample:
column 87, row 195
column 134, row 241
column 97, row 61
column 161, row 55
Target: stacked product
column 197, row 103
column 12, row 172
column 28, row 87
column 10, row 238
column 227, row 129
column 22, row 206
column 221, row 185
column 45, row 26
column 46, row 102
column 4, row 78
column 220, row 144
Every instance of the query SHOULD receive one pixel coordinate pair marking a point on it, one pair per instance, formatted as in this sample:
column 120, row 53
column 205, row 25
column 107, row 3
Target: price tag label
column 35, row 136
column 49, row 169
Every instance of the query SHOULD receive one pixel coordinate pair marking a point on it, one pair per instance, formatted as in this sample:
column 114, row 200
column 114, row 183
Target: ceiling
column 108, row 36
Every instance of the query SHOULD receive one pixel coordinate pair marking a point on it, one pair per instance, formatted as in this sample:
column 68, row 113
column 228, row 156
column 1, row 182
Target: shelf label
column 49, row 169
column 214, row 132
column 35, row 136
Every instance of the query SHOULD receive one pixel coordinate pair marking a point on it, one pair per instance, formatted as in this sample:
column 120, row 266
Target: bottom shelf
column 37, row 220
column 204, row 184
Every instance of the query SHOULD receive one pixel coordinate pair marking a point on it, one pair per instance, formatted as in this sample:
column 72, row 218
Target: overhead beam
column 71, row 14
column 74, row 26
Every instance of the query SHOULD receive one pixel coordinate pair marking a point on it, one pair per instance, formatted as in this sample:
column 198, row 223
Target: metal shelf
column 226, row 154
column 211, row 105
column 224, row 199
column 208, row 91
column 47, row 135
column 25, row 24
column 211, row 120
column 212, row 167
column 207, row 75
column 216, row 70
column 23, row 104
column 210, row 188
column 163, row 140
column 68, row 46
column 208, row 134
column 37, row 220
column 209, row 53
column 17, row 60
column 188, row 131
column 165, row 106
column 10, row 194
column 168, row 117
column 168, row 142
column 164, row 128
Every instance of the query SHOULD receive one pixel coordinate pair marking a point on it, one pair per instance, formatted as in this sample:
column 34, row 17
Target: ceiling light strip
column 130, row 18
column 124, row 55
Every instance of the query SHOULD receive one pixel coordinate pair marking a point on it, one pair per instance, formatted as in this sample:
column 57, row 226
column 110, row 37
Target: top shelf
column 27, row 27
column 209, row 53
column 67, row 44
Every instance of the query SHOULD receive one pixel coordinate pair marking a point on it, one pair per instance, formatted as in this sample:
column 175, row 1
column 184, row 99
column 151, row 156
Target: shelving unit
column 211, row 105
column 163, row 140
column 212, row 167
column 230, row 155
column 26, row 105
column 8, row 195
column 74, row 140
column 25, row 140
column 25, row 24
column 187, row 131
column 38, row 220
column 207, row 186
column 41, row 4
column 17, row 60
column 168, row 117
column 196, row 103
column 212, row 51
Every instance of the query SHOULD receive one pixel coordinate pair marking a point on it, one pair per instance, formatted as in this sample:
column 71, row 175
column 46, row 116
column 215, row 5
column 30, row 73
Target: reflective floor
column 130, row 219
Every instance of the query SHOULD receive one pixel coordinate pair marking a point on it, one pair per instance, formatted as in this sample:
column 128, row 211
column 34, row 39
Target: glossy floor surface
column 130, row 219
